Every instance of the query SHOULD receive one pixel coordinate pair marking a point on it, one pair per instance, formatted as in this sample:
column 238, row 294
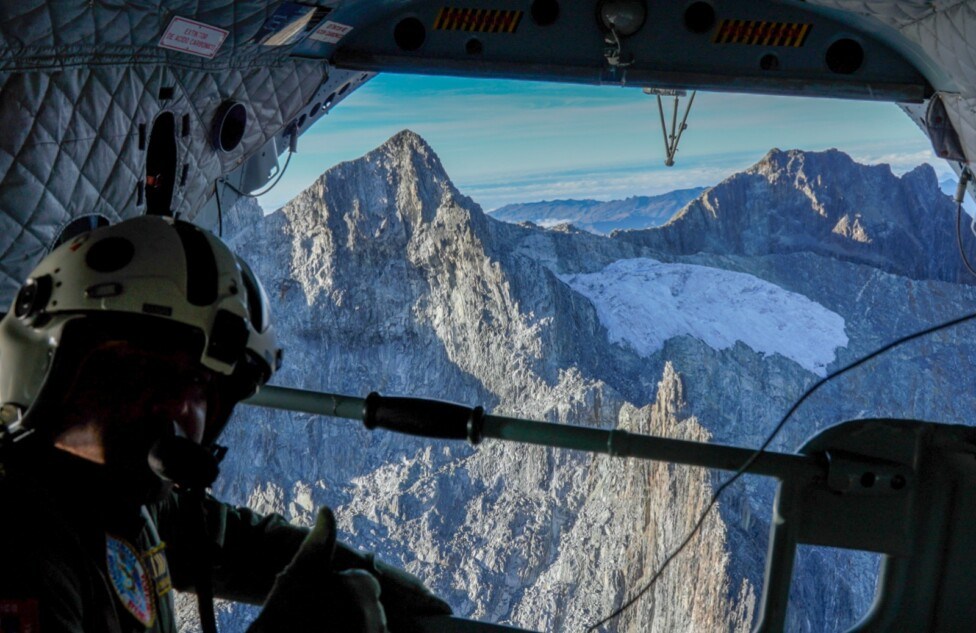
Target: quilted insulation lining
column 78, row 78
column 944, row 30
column 73, row 105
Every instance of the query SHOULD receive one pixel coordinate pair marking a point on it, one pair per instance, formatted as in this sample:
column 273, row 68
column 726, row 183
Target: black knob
column 33, row 297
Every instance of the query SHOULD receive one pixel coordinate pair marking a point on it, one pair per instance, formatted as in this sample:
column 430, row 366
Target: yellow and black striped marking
column 478, row 20
column 760, row 33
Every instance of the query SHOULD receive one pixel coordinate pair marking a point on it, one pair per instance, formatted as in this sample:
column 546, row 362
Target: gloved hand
column 310, row 597
column 403, row 595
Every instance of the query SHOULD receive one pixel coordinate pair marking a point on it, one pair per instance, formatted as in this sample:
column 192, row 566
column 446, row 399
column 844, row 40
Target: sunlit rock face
column 384, row 277
column 824, row 203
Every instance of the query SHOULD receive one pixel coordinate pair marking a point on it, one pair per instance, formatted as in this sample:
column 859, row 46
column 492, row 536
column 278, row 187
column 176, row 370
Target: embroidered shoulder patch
column 130, row 580
column 19, row 615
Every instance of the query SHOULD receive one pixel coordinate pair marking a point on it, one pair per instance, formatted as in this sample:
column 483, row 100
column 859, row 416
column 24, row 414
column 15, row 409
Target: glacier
column 643, row 303
column 383, row 276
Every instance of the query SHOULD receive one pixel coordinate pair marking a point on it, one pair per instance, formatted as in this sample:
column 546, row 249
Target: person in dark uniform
column 120, row 363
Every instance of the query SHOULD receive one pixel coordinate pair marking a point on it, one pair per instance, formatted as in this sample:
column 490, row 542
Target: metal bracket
column 852, row 474
column 672, row 139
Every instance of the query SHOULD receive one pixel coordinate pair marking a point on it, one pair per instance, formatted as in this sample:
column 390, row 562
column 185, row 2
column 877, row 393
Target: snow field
column 643, row 302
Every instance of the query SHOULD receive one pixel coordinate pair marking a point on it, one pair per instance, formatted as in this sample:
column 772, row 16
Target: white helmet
column 142, row 270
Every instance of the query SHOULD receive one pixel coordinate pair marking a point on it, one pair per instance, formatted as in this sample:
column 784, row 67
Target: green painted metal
column 615, row 443
column 904, row 488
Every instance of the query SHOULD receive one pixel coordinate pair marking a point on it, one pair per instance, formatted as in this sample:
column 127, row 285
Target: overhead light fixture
column 623, row 17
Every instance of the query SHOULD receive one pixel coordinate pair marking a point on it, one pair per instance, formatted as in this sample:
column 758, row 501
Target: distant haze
column 637, row 212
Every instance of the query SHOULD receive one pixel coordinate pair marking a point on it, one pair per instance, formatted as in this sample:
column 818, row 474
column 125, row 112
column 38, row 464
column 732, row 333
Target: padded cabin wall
column 80, row 88
column 945, row 32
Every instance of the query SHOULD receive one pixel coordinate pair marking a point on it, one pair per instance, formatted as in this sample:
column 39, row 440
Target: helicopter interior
column 180, row 108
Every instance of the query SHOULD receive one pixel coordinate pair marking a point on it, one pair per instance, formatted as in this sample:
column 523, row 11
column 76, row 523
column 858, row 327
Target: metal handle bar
column 445, row 420
column 442, row 624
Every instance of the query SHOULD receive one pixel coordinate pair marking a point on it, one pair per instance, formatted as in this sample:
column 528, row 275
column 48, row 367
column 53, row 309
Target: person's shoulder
column 20, row 497
column 38, row 550
column 46, row 569
column 32, row 522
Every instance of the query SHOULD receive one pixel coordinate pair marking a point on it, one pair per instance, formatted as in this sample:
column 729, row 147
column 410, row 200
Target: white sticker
column 195, row 38
column 330, row 32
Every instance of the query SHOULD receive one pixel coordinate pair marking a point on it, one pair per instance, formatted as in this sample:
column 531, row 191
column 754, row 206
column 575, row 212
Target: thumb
column 299, row 590
column 316, row 552
column 361, row 597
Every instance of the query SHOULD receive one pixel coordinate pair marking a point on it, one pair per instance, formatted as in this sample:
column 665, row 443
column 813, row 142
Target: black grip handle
column 426, row 418
column 449, row 624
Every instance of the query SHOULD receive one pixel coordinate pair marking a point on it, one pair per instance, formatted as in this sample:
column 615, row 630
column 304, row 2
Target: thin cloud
column 597, row 185
column 902, row 162
column 505, row 141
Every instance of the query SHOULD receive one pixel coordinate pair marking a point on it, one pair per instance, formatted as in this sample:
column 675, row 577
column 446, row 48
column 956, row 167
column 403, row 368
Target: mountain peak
column 407, row 140
column 822, row 202
column 379, row 200
column 795, row 163
column 405, row 151
column 403, row 176
column 925, row 175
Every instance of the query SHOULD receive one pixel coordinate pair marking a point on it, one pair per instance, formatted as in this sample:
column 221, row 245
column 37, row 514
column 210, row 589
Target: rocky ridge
column 823, row 203
column 383, row 276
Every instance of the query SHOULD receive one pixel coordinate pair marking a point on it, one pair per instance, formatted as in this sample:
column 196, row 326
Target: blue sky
column 504, row 141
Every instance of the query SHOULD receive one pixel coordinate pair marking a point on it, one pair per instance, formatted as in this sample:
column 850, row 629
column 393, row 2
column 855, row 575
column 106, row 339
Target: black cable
column 220, row 212
column 964, row 178
column 203, row 584
column 270, row 187
column 292, row 132
column 762, row 449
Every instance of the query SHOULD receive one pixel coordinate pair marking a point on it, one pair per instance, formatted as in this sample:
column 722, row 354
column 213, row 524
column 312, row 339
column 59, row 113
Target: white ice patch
column 643, row 302
column 551, row 222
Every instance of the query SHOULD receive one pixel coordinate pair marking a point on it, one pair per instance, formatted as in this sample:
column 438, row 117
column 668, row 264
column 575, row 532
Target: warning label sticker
column 330, row 32
column 195, row 38
column 760, row 33
column 478, row 20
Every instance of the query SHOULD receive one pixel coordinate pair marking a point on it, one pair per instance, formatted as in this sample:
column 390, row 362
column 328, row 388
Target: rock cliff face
column 384, row 277
column 824, row 203
column 633, row 515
